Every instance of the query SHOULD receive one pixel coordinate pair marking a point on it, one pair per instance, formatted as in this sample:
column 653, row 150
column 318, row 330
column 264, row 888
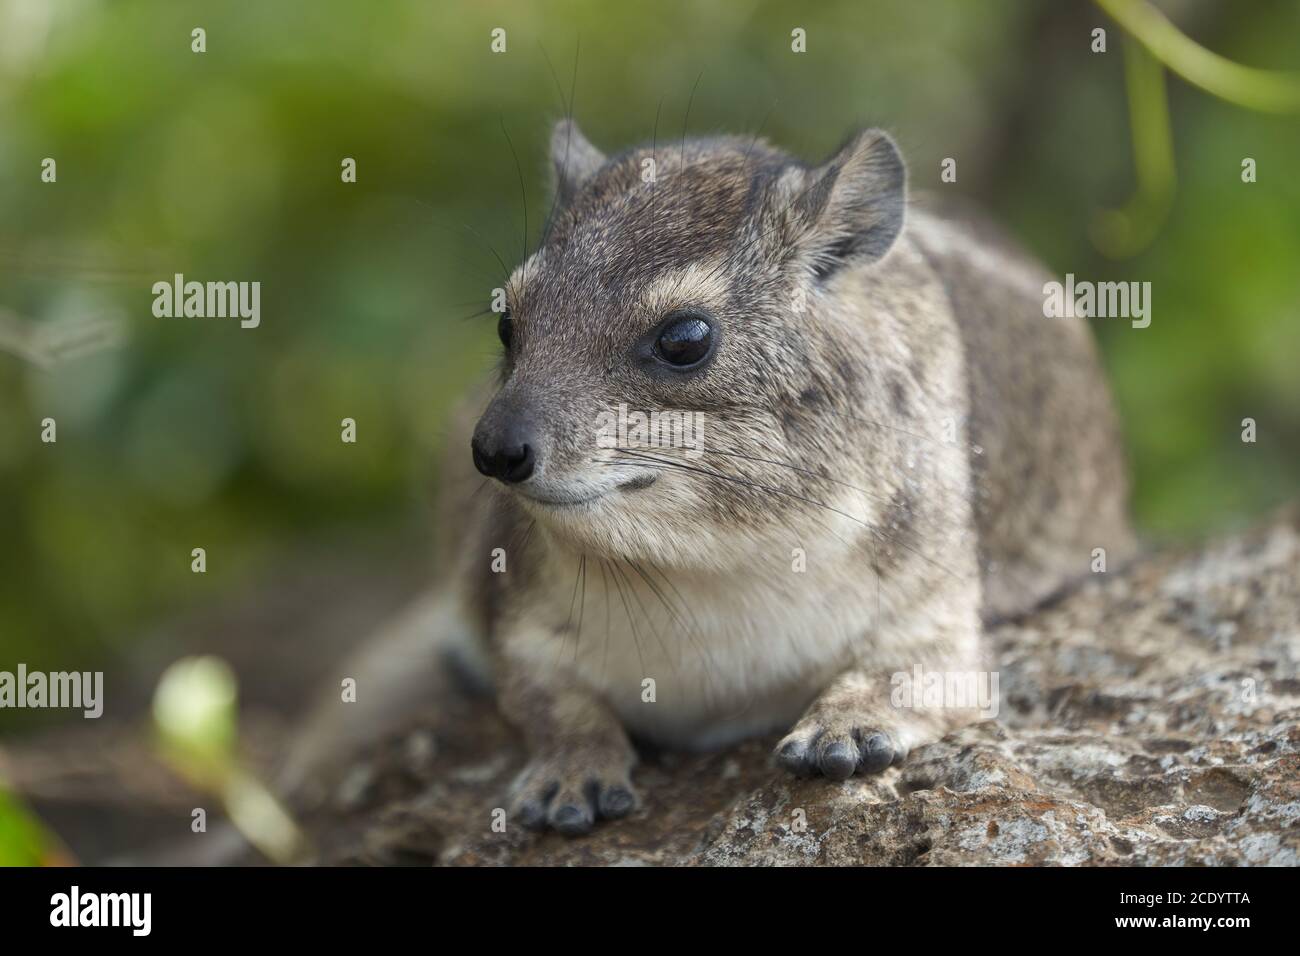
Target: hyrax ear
column 574, row 158
column 851, row 208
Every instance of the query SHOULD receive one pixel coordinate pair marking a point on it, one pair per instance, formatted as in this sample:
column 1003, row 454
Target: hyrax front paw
column 569, row 793
column 838, row 748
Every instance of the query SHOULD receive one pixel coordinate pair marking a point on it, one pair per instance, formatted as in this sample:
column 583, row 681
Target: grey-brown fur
column 933, row 446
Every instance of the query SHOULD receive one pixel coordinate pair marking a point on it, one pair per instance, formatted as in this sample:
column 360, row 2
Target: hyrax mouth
column 632, row 484
column 638, row 483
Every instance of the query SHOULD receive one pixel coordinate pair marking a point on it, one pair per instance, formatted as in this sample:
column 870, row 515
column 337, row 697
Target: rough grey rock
column 1149, row 717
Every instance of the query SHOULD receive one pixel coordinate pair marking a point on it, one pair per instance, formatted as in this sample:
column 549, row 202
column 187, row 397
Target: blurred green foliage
column 226, row 165
column 24, row 840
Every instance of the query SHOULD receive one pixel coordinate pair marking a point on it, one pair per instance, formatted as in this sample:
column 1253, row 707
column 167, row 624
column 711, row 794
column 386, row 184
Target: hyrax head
column 678, row 373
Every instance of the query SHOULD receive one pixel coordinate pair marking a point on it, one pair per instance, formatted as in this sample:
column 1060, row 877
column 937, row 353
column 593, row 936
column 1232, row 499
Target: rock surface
column 1151, row 717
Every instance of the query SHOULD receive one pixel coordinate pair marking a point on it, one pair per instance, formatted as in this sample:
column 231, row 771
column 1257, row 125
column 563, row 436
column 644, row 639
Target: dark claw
column 838, row 760
column 616, row 801
column 794, row 758
column 572, row 820
column 877, row 754
column 532, row 814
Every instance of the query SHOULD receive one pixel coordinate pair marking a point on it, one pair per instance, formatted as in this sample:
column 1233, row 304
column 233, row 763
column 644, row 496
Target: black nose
column 511, row 460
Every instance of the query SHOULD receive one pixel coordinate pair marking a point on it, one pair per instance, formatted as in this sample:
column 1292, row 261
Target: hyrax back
column 1049, row 477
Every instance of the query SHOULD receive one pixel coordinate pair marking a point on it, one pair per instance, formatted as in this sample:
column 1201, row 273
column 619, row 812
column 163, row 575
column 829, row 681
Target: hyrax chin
column 764, row 442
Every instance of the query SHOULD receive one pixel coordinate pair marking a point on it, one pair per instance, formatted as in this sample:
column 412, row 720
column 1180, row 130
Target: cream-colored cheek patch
column 700, row 283
column 516, row 285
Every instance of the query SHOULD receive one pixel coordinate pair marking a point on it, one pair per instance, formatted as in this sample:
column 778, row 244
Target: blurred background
column 225, row 165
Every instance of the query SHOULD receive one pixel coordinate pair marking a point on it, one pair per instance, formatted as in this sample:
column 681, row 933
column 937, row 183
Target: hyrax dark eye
column 505, row 329
column 685, row 340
